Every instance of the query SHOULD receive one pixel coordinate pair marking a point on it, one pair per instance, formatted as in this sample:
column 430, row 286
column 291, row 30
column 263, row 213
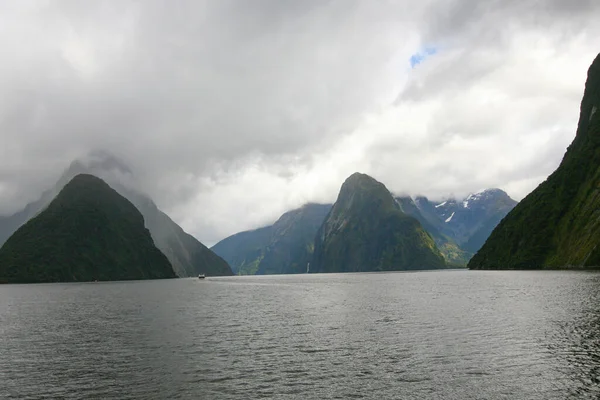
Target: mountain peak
column 359, row 179
column 81, row 179
column 361, row 182
column 366, row 230
column 493, row 194
column 490, row 191
column 102, row 164
column 87, row 232
column 362, row 189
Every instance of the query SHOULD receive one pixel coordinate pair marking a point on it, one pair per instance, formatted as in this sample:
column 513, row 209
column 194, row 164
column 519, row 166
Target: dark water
column 436, row 335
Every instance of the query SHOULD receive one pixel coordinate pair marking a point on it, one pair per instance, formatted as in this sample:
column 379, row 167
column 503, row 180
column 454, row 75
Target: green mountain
column 367, row 231
column 188, row 256
column 88, row 232
column 558, row 224
column 285, row 247
column 10, row 223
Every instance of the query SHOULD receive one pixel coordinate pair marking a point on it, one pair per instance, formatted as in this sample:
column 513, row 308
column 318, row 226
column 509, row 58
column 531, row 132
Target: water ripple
column 435, row 335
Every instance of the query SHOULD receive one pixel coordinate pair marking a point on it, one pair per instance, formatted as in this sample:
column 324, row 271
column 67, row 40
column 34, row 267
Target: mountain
column 188, row 256
column 88, row 232
column 471, row 220
column 244, row 251
column 285, row 247
column 558, row 224
column 459, row 227
column 9, row 224
column 366, row 230
column 452, row 252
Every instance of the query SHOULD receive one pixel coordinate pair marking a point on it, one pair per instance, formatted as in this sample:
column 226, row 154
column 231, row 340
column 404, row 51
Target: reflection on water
column 440, row 335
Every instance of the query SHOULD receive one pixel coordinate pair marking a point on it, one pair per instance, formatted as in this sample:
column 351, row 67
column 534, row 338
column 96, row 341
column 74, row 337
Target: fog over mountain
column 233, row 112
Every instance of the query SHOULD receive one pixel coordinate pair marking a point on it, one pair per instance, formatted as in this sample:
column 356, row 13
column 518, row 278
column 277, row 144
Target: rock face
column 188, row 256
column 88, row 232
column 366, row 230
column 286, row 247
column 558, row 224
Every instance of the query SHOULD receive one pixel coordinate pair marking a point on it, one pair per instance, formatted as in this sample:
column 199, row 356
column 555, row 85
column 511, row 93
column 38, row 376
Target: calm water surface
column 436, row 335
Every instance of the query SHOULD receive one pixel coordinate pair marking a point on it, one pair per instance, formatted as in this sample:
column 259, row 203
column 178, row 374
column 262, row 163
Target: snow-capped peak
column 482, row 194
column 473, row 197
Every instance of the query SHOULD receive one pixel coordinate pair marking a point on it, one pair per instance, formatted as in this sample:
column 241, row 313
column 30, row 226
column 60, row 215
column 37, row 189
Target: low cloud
column 231, row 112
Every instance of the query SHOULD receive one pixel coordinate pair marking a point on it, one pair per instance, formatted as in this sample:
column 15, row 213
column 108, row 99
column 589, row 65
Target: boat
column 201, row 276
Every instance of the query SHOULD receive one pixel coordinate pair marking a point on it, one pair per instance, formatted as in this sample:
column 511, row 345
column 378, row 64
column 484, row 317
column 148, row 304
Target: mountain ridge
column 245, row 251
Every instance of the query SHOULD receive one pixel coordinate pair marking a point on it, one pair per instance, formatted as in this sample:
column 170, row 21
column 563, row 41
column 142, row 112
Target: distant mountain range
column 367, row 229
column 458, row 227
column 286, row 247
column 558, row 224
column 471, row 220
column 188, row 256
column 87, row 232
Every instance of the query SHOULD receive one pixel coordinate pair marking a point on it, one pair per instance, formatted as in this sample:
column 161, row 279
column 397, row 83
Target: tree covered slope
column 558, row 224
column 367, row 231
column 88, row 232
column 286, row 247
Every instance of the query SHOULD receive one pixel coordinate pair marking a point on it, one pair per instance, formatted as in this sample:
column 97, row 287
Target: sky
column 233, row 112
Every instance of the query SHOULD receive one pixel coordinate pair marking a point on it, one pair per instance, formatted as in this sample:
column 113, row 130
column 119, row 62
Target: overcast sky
column 232, row 112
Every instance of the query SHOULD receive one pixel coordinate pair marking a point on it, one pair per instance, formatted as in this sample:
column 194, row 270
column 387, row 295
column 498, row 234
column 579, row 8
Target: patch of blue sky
column 420, row 56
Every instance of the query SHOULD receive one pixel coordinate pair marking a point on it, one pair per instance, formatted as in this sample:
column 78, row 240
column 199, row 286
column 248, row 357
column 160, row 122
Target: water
column 435, row 335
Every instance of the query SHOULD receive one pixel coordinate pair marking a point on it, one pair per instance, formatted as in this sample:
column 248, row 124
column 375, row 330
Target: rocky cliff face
column 558, row 224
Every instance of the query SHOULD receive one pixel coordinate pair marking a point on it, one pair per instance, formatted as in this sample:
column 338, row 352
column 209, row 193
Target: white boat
column 201, row 276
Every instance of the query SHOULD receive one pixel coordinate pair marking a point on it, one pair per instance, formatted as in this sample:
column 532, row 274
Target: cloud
column 232, row 112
